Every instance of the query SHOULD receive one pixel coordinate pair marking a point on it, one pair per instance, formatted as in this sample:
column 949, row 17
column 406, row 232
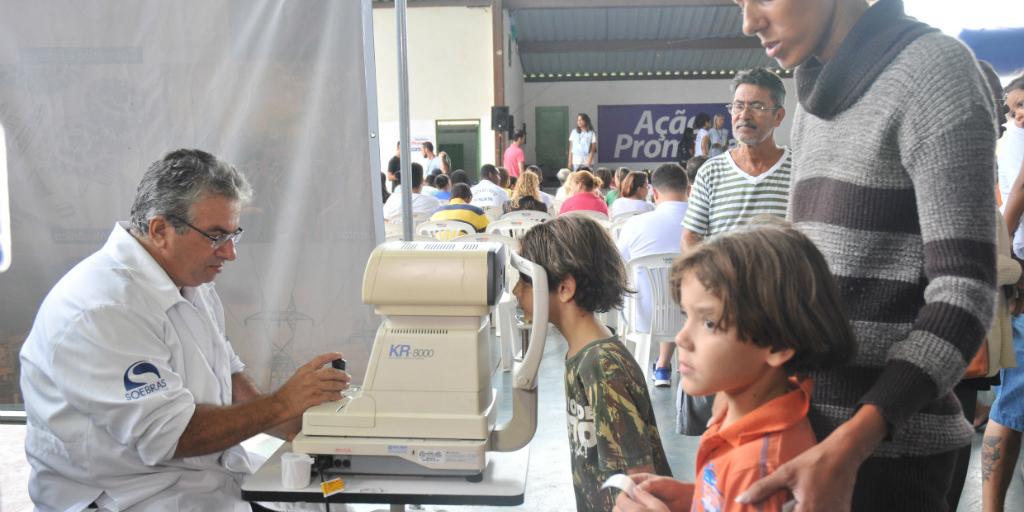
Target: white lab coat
column 117, row 359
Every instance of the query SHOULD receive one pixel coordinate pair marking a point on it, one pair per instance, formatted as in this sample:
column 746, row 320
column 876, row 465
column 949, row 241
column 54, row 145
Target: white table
column 503, row 484
column 14, row 475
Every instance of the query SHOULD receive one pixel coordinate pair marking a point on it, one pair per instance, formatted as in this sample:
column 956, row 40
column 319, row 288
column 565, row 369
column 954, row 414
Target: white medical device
column 426, row 405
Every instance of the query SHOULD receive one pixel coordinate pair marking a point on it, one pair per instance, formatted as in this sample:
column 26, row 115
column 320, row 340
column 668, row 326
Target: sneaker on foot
column 662, row 377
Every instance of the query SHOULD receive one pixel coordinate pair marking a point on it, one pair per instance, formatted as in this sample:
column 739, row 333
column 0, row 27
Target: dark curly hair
column 578, row 246
column 776, row 289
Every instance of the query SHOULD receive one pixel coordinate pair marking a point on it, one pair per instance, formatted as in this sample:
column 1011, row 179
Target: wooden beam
column 710, row 43
column 584, row 4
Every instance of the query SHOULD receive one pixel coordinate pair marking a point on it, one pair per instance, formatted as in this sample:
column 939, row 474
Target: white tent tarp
column 91, row 92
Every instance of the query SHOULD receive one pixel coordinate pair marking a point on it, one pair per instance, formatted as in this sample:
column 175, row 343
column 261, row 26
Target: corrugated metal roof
column 603, row 25
column 644, row 61
column 626, row 24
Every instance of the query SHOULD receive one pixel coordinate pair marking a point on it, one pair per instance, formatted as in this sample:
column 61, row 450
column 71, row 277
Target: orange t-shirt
column 730, row 460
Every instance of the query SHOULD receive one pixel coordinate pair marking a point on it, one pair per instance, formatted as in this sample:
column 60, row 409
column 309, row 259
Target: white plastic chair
column 625, row 215
column 629, row 213
column 393, row 226
column 493, row 212
column 512, row 244
column 445, row 229
column 392, row 229
column 589, row 213
column 527, row 214
column 664, row 317
column 417, row 238
column 617, row 224
column 512, row 228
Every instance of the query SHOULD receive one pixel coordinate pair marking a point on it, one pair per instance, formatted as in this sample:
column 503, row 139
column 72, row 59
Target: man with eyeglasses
column 751, row 179
column 134, row 397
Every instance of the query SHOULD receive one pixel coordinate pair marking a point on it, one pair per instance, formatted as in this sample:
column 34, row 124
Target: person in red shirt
column 514, row 159
column 762, row 312
column 586, row 189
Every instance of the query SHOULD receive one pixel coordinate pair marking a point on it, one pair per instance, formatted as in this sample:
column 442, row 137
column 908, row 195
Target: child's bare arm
column 677, row 495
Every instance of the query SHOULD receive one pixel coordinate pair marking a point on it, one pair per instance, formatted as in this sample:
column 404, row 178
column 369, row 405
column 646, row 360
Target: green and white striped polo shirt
column 725, row 197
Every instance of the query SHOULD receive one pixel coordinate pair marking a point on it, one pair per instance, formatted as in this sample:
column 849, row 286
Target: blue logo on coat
column 141, row 379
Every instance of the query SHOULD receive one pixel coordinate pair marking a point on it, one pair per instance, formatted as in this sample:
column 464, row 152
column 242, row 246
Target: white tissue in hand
column 621, row 482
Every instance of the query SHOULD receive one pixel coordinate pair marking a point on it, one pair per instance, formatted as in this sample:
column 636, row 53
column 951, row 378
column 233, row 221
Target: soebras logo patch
column 140, row 379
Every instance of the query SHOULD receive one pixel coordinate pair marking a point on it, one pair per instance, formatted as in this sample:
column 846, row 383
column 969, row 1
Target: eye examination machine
column 426, row 405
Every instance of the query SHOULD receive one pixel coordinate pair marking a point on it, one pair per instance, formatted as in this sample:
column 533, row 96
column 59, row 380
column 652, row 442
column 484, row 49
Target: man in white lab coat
column 135, row 399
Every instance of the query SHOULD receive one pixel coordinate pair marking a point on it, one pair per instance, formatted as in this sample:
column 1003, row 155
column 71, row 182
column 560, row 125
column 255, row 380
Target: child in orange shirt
column 762, row 311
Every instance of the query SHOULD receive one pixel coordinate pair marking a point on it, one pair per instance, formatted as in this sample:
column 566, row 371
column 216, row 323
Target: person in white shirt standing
column 422, row 204
column 582, row 143
column 488, row 193
column 701, row 143
column 433, row 161
column 134, row 397
column 718, row 137
column 657, row 232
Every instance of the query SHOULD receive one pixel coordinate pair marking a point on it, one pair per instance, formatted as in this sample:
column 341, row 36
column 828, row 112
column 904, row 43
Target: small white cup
column 295, row 470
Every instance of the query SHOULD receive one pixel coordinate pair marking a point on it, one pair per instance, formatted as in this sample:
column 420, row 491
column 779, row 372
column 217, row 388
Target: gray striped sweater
column 898, row 193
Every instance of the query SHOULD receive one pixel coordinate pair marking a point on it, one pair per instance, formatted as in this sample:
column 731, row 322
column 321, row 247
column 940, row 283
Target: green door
column 552, row 139
column 456, row 152
column 460, row 138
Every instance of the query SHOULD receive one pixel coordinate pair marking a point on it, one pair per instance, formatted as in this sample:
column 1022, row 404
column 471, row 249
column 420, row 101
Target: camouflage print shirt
column 611, row 422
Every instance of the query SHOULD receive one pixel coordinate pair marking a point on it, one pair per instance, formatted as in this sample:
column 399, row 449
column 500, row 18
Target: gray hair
column 174, row 183
column 761, row 77
column 563, row 174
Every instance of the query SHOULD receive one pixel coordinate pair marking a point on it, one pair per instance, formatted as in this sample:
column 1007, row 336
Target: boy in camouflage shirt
column 612, row 428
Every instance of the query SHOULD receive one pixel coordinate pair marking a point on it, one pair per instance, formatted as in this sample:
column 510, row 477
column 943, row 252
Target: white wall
column 586, row 96
column 450, row 72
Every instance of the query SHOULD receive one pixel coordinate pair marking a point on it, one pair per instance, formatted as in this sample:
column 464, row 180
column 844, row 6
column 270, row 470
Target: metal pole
column 403, row 119
column 372, row 126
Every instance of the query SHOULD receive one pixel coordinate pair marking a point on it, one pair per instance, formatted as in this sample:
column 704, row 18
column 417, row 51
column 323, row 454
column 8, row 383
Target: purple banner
column 648, row 133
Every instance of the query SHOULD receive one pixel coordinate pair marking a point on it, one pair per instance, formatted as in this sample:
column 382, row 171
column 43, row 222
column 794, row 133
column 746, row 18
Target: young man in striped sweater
column 893, row 176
